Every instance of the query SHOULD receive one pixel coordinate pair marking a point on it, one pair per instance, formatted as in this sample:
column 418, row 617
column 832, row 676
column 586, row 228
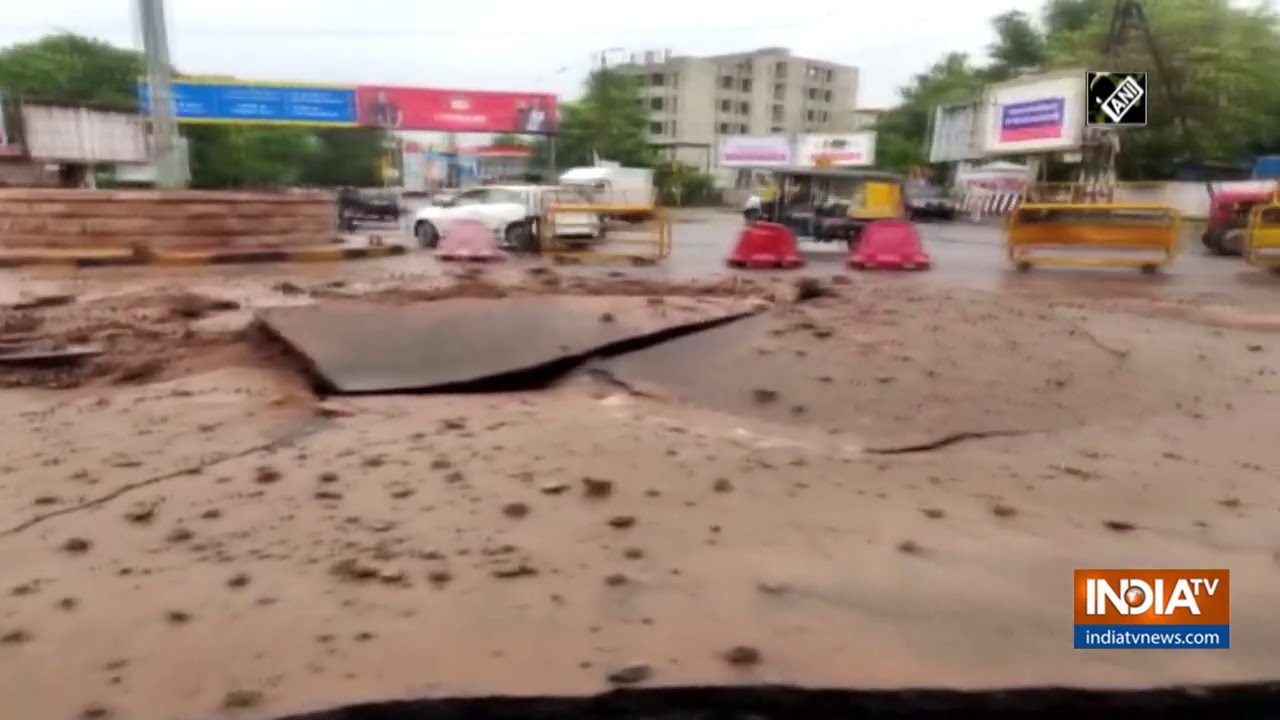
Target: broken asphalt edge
column 531, row 377
column 117, row 257
column 774, row 702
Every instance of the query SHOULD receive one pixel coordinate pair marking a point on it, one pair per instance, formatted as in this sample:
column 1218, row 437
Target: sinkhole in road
column 479, row 345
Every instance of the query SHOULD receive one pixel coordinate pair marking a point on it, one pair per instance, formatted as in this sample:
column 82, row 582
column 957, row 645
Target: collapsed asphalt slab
column 362, row 347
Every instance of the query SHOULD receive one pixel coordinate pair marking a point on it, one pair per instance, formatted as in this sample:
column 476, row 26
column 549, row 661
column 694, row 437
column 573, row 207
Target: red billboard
column 401, row 108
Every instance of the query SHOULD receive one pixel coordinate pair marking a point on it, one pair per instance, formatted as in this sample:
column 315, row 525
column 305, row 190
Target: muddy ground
column 883, row 484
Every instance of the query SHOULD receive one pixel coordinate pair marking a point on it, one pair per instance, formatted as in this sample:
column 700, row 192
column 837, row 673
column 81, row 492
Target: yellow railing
column 1093, row 234
column 643, row 242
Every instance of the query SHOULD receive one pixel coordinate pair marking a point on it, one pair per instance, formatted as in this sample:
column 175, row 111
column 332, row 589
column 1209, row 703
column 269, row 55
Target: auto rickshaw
column 830, row 204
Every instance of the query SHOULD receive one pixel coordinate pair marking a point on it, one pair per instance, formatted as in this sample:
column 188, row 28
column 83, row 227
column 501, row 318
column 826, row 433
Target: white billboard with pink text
column 1035, row 114
column 754, row 151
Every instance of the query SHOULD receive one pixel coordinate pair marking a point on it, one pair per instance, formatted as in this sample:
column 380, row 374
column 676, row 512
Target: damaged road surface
column 817, row 495
column 354, row 347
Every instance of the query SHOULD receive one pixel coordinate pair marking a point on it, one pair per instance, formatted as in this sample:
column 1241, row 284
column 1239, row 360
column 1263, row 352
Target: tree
column 609, row 120
column 1019, row 46
column 71, row 68
column 1222, row 60
column 902, row 129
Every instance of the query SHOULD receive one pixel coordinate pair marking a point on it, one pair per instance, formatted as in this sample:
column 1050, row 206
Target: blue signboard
column 1267, row 167
column 259, row 104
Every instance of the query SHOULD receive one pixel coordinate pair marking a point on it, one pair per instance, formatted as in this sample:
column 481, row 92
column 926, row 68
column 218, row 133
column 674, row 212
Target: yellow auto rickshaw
column 829, row 204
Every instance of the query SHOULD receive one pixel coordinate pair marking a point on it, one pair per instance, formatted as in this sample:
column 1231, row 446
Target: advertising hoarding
column 837, row 149
column 1037, row 114
column 754, row 151
column 70, row 134
column 401, row 108
column 259, row 103
column 957, row 132
column 393, row 108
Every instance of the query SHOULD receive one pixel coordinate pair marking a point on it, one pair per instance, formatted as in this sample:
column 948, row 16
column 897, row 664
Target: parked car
column 512, row 212
column 355, row 206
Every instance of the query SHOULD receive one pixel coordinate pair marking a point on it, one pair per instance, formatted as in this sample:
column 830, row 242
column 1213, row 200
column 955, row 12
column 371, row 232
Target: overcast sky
column 517, row 44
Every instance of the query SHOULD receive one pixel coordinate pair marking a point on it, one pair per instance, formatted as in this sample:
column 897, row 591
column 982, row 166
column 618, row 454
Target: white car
column 509, row 211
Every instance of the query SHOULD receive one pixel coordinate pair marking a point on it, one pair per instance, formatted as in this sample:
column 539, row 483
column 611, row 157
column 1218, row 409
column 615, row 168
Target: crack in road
column 302, row 430
column 946, row 441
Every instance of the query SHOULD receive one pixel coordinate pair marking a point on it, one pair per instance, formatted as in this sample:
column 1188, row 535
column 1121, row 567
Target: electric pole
column 164, row 121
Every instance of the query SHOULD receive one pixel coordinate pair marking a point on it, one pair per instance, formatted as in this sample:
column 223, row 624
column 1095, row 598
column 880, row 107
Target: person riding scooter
column 762, row 205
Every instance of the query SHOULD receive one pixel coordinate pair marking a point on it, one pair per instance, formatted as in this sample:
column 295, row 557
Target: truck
column 617, row 186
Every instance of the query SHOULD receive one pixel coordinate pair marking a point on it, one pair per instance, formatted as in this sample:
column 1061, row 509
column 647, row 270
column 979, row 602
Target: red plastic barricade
column 765, row 245
column 889, row 245
column 468, row 241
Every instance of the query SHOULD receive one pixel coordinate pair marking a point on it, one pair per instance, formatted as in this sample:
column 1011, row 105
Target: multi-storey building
column 694, row 101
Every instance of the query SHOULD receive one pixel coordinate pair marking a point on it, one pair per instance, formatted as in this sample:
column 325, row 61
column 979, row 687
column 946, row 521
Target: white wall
column 1190, row 198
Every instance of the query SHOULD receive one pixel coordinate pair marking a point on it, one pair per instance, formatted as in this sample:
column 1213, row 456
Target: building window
column 656, row 80
column 744, row 108
column 778, row 111
column 830, row 76
column 655, row 103
column 673, row 104
column 655, row 128
column 808, row 115
column 671, row 129
column 824, row 116
column 746, row 85
column 742, row 129
column 726, row 82
column 723, row 128
column 776, row 130
column 726, row 106
column 780, row 68
column 675, row 80
column 813, row 94
column 779, row 91
column 826, row 96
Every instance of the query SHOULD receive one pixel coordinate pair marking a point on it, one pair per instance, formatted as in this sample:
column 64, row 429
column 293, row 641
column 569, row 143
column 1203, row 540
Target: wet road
column 964, row 255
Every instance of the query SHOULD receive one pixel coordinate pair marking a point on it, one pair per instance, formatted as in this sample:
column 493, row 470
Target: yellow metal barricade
column 1262, row 240
column 641, row 242
column 1142, row 235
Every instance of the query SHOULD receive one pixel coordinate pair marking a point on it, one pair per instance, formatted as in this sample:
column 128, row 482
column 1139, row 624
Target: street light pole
column 164, row 122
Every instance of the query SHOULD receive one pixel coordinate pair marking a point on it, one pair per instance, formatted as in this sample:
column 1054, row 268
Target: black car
column 929, row 202
column 355, row 207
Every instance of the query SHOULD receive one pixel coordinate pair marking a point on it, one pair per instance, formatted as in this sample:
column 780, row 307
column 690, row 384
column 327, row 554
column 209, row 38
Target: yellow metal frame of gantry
column 1084, row 234
column 1262, row 239
column 645, row 243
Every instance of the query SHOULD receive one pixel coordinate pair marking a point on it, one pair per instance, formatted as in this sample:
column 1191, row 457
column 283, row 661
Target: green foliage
column 71, row 68
column 902, row 129
column 609, row 119
column 1222, row 60
column 681, row 185
column 509, row 140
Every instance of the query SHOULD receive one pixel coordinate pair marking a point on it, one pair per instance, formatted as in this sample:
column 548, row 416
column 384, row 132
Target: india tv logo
column 1152, row 609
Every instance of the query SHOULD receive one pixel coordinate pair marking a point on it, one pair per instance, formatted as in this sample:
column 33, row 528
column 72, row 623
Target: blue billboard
column 278, row 104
